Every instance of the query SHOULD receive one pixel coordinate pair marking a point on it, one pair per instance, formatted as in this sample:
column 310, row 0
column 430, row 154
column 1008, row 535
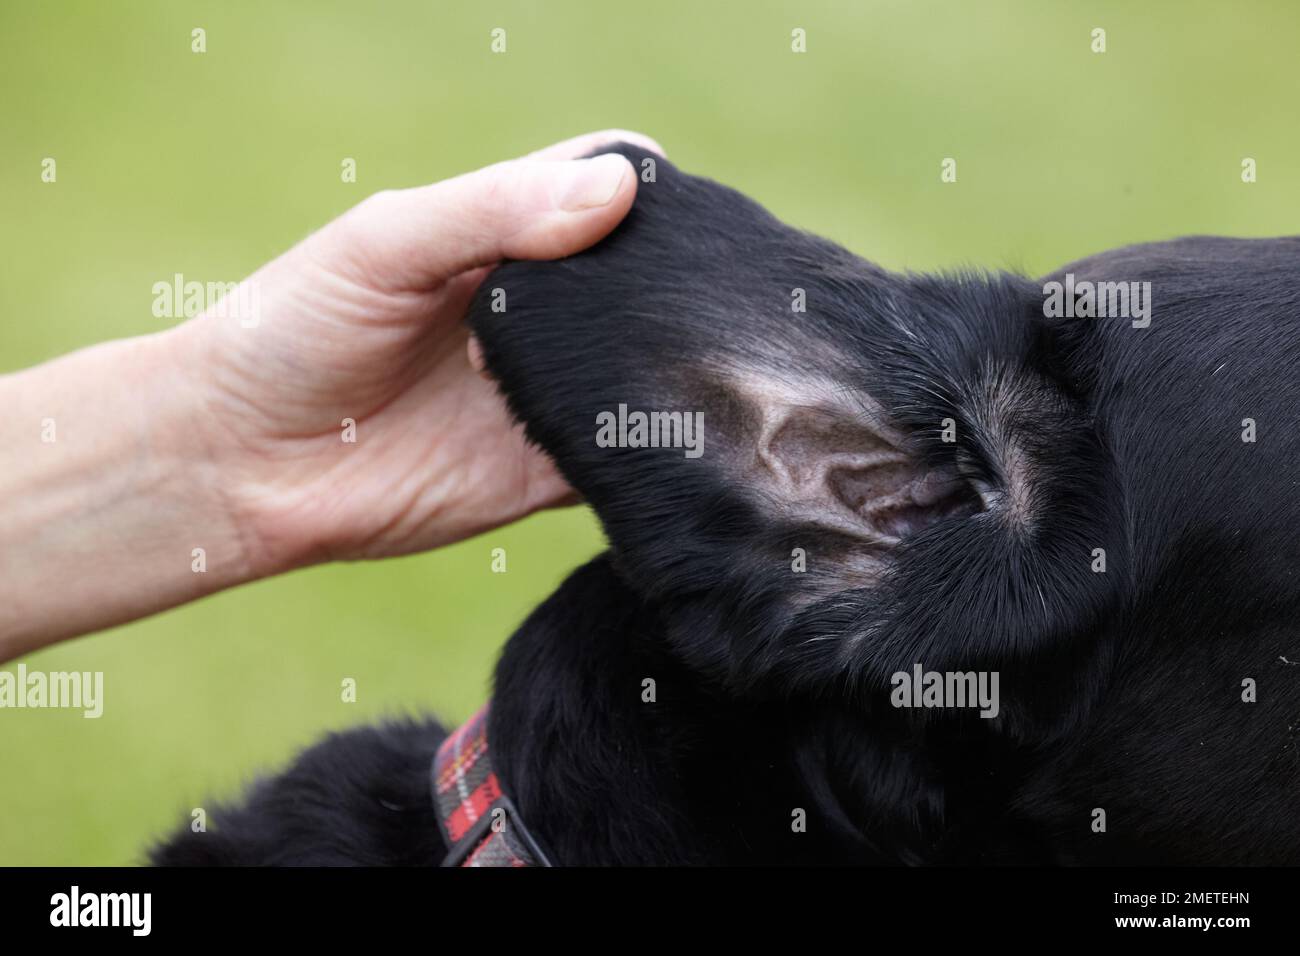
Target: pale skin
column 118, row 461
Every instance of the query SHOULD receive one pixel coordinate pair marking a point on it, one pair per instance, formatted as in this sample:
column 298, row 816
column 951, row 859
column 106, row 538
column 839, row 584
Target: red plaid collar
column 478, row 821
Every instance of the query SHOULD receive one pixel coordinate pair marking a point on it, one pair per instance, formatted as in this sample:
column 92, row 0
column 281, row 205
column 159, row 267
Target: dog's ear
column 765, row 422
column 681, row 362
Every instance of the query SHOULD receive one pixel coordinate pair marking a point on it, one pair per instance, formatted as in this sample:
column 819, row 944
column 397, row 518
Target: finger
column 475, row 353
column 546, row 487
column 588, row 142
column 413, row 239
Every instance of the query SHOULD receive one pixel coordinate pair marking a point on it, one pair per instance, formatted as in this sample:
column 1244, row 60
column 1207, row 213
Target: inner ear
column 847, row 470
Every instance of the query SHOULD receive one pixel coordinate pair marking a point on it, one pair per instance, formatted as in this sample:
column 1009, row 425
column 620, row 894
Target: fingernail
column 589, row 183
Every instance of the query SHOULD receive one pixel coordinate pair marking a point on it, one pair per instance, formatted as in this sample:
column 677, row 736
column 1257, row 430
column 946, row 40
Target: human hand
column 361, row 321
column 139, row 474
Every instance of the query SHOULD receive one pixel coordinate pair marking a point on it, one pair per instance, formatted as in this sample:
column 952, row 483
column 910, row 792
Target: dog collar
column 479, row 823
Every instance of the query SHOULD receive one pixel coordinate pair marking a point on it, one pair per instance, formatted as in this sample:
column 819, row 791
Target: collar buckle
column 485, row 827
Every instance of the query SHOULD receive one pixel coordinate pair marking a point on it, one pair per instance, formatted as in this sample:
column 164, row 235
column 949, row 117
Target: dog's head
column 823, row 473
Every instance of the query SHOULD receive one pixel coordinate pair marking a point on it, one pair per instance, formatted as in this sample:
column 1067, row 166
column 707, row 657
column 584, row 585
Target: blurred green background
column 208, row 164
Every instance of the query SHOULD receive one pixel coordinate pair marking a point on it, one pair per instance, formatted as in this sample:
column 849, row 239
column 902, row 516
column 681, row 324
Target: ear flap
column 685, row 309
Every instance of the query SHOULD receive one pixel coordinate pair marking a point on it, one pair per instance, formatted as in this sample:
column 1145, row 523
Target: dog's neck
column 617, row 754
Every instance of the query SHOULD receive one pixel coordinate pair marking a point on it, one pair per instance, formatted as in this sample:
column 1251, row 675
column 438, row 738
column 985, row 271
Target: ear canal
column 850, row 473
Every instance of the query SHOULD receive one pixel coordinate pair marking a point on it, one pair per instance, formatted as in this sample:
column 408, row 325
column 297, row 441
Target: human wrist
column 251, row 476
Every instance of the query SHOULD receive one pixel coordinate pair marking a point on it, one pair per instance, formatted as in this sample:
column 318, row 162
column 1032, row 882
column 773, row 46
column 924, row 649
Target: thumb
column 521, row 209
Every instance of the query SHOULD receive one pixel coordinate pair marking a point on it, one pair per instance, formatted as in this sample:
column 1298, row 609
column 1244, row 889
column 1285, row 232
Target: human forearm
column 106, row 492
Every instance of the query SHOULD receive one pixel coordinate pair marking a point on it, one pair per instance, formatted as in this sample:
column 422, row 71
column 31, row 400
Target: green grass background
column 169, row 161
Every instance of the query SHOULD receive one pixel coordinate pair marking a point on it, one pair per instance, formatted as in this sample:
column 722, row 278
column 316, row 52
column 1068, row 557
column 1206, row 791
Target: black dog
column 900, row 475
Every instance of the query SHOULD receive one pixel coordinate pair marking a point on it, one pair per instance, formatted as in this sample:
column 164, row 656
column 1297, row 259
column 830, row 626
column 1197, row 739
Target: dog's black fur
column 1120, row 690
